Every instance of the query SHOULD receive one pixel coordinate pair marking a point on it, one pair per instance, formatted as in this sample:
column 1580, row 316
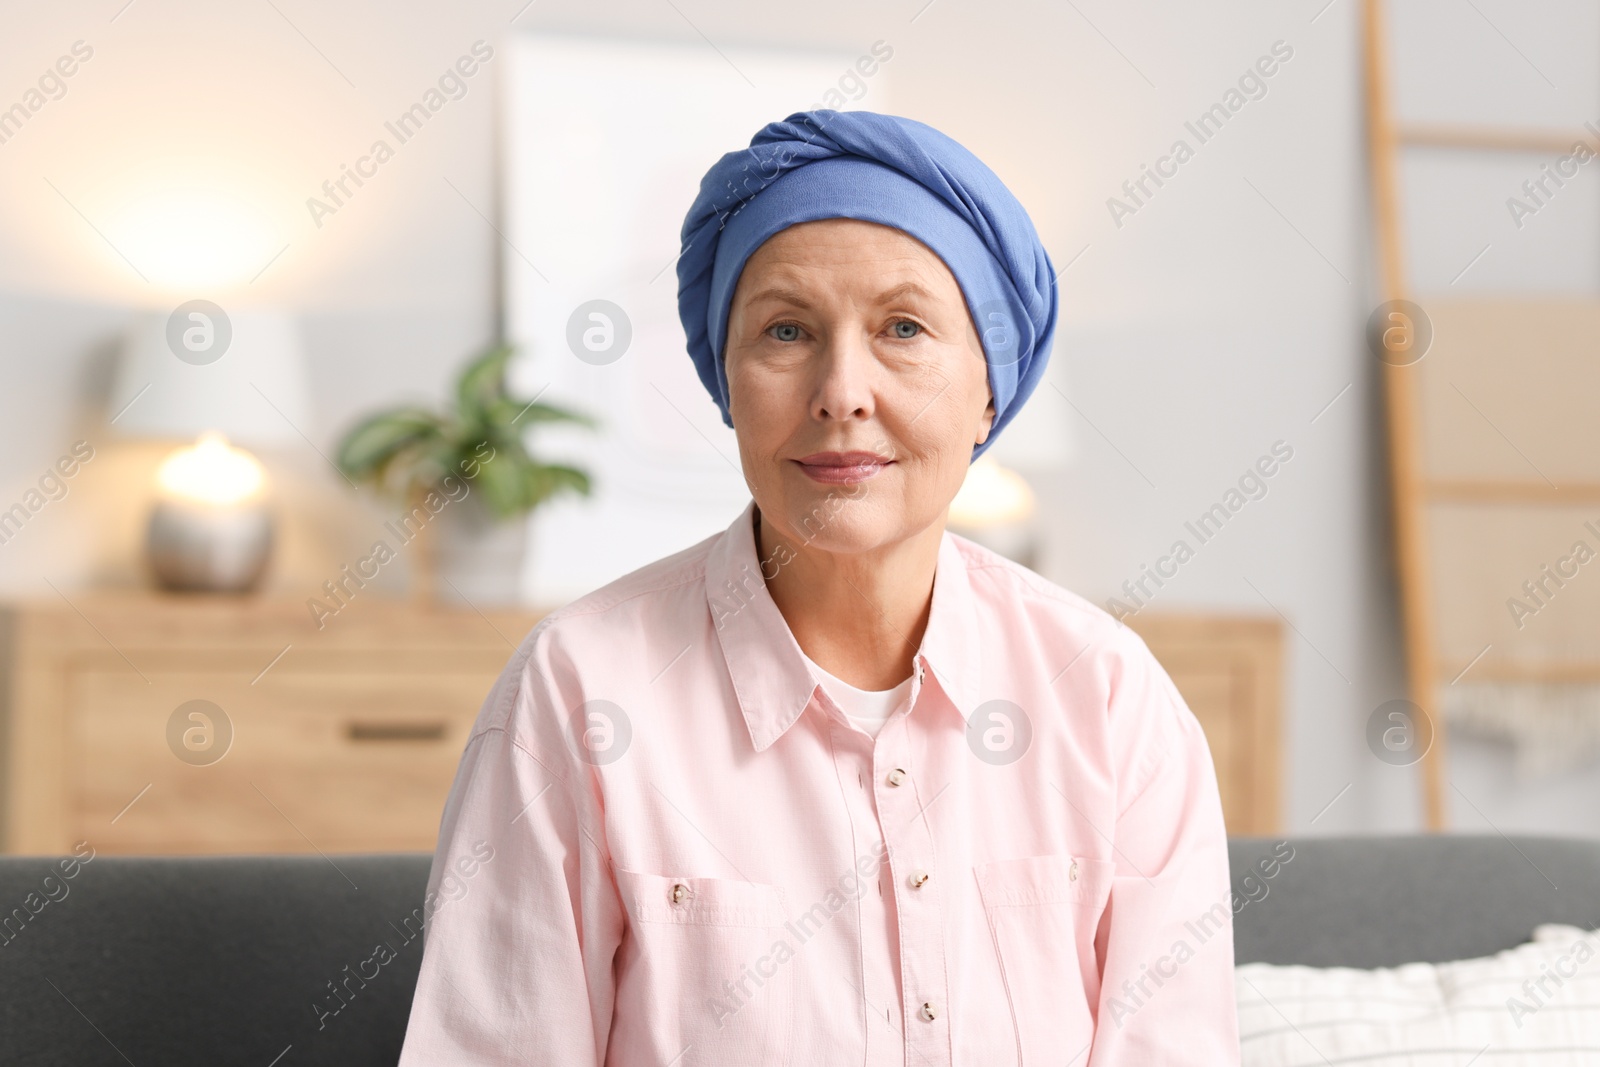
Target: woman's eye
column 786, row 331
column 902, row 331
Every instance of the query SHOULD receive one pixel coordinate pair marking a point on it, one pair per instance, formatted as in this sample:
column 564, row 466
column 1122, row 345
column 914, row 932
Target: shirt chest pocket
column 1042, row 913
column 712, row 967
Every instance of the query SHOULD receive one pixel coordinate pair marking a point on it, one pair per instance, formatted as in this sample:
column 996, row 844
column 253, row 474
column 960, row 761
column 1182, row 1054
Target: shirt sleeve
column 522, row 915
column 1166, row 939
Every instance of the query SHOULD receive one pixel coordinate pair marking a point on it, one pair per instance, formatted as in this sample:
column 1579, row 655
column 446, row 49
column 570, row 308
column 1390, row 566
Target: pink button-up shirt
column 667, row 846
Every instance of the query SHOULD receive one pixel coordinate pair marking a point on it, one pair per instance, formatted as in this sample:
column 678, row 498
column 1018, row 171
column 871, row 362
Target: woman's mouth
column 842, row 468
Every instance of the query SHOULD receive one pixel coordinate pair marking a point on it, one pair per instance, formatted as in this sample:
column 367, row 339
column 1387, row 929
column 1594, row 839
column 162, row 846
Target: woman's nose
column 846, row 373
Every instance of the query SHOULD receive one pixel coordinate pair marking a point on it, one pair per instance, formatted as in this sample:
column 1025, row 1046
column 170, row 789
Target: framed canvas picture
column 605, row 143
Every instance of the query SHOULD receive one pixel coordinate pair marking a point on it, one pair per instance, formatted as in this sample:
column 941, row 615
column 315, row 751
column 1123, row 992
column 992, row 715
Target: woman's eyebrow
column 786, row 296
column 799, row 299
column 904, row 289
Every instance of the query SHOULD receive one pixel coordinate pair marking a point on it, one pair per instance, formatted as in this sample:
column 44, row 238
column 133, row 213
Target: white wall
column 1222, row 316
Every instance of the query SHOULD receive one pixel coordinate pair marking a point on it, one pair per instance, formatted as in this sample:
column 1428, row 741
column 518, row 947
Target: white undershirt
column 868, row 709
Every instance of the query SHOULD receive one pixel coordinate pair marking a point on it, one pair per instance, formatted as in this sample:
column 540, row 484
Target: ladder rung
column 1496, row 138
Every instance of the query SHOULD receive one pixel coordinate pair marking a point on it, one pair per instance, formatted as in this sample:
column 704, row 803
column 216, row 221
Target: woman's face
column 856, row 383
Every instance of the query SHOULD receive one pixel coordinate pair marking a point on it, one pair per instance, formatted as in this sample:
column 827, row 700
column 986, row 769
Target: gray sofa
column 233, row 960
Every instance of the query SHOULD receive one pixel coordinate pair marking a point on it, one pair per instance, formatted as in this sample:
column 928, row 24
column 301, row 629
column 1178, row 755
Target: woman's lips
column 842, row 468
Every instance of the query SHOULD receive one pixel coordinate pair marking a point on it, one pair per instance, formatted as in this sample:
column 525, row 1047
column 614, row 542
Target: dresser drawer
column 348, row 762
column 1228, row 669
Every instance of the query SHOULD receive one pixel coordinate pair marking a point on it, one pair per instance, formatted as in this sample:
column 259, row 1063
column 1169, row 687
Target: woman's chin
column 841, row 525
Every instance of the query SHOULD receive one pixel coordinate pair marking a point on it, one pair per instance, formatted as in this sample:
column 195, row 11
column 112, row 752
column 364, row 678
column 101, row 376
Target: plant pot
column 476, row 558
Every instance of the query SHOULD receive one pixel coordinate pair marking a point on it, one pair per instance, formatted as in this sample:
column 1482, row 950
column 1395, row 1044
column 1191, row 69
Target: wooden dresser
column 344, row 739
column 1229, row 670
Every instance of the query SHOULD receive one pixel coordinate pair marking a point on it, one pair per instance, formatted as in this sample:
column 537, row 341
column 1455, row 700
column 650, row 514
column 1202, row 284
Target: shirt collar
column 770, row 677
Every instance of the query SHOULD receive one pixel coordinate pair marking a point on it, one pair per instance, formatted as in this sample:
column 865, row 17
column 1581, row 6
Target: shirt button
column 929, row 1012
column 896, row 776
column 1072, row 872
column 917, row 878
column 680, row 893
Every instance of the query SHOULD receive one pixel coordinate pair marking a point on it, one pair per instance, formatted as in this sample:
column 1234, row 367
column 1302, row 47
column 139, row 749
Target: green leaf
column 561, row 478
column 501, row 481
column 409, row 449
column 482, row 383
column 377, row 440
column 538, row 411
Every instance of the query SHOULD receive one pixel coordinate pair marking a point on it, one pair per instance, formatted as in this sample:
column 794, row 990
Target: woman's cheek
column 769, row 400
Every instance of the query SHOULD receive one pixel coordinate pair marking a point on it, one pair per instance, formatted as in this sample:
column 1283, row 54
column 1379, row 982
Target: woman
column 834, row 785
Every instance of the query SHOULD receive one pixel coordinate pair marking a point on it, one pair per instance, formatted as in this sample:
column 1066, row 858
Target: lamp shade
column 199, row 368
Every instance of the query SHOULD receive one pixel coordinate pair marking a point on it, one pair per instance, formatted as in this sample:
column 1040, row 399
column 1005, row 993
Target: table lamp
column 213, row 380
column 995, row 507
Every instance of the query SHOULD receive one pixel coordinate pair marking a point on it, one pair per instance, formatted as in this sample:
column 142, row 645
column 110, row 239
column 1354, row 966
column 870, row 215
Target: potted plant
column 461, row 474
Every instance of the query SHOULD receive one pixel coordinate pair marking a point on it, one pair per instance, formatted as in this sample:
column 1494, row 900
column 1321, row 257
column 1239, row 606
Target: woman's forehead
column 887, row 261
column 828, row 236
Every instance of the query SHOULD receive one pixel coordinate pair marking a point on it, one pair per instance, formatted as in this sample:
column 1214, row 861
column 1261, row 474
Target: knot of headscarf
column 895, row 171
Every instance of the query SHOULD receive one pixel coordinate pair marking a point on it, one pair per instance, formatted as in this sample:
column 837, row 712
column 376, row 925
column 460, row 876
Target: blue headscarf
column 829, row 164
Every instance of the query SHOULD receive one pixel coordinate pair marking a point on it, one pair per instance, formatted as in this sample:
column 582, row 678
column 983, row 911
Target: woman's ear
column 723, row 357
column 986, row 423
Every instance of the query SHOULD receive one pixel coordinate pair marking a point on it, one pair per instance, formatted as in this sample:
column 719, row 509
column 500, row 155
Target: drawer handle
column 395, row 731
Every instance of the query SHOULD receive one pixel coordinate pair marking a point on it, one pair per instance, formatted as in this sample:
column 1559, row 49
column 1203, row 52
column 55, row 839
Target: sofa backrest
column 1383, row 901
column 220, row 960
column 276, row 960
